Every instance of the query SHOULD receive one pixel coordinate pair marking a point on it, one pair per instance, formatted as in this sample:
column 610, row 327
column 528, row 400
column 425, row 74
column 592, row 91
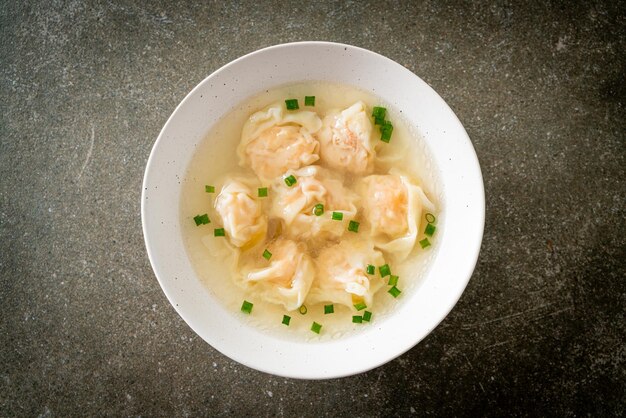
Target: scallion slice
column 353, row 226
column 201, row 219
column 219, row 232
column 370, row 269
column 367, row 315
column 266, row 254
column 394, row 291
column 430, row 218
column 318, row 210
column 379, row 112
column 386, row 130
column 337, row 216
column 316, row 328
column 360, row 306
column 302, row 309
column 309, row 100
column 209, row 189
column 425, row 243
column 292, row 104
column 246, row 307
column 290, row 180
column 430, row 230
column 393, row 280
column 286, row 319
column 328, row 309
column 357, row 319
column 262, row 192
column 384, row 270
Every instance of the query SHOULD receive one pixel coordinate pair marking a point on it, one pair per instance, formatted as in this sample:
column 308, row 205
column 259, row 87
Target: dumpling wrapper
column 342, row 277
column 346, row 140
column 294, row 205
column 241, row 213
column 276, row 140
column 393, row 206
column 285, row 280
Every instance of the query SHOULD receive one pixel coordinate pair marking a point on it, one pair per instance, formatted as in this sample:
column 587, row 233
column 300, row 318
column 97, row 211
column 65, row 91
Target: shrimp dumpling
column 241, row 213
column 276, row 140
column 346, row 140
column 295, row 205
column 287, row 277
column 341, row 274
column 393, row 207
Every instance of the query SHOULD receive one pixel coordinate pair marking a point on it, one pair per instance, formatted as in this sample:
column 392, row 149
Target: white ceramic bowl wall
column 459, row 241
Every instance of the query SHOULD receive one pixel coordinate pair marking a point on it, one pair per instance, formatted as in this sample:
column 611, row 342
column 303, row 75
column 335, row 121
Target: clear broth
column 216, row 156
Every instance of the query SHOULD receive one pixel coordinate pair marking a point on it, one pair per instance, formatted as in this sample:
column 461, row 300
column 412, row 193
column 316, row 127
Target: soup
column 310, row 210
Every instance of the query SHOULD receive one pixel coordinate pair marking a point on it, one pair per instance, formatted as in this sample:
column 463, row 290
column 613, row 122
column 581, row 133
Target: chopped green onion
column 267, row 255
column 262, row 191
column 246, row 307
column 393, row 280
column 379, row 112
column 328, row 309
column 430, row 230
column 316, row 328
column 367, row 315
column 353, row 226
column 370, row 269
column 309, row 100
column 302, row 309
column 360, row 306
column 219, row 232
column 386, row 131
column 292, row 104
column 318, row 210
column 201, row 219
column 337, row 216
column 379, row 121
column 394, row 291
column 286, row 319
column 357, row 319
column 425, row 243
column 384, row 270
column 209, row 189
column 430, row 218
column 290, row 181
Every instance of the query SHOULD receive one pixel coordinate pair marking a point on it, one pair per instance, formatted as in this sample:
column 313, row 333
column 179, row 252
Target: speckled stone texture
column 85, row 88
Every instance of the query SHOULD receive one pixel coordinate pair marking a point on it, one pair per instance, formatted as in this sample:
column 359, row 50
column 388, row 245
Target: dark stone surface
column 85, row 88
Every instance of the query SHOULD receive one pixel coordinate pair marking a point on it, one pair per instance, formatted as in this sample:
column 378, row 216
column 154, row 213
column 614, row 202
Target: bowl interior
column 459, row 234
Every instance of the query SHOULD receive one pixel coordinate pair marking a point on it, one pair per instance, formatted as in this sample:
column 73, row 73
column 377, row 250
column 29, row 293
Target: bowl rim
column 450, row 302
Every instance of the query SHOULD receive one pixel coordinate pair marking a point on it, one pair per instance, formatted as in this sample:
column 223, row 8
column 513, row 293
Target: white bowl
column 459, row 232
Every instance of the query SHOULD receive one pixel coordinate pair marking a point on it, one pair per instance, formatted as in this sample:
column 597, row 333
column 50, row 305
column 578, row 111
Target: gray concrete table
column 85, row 88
